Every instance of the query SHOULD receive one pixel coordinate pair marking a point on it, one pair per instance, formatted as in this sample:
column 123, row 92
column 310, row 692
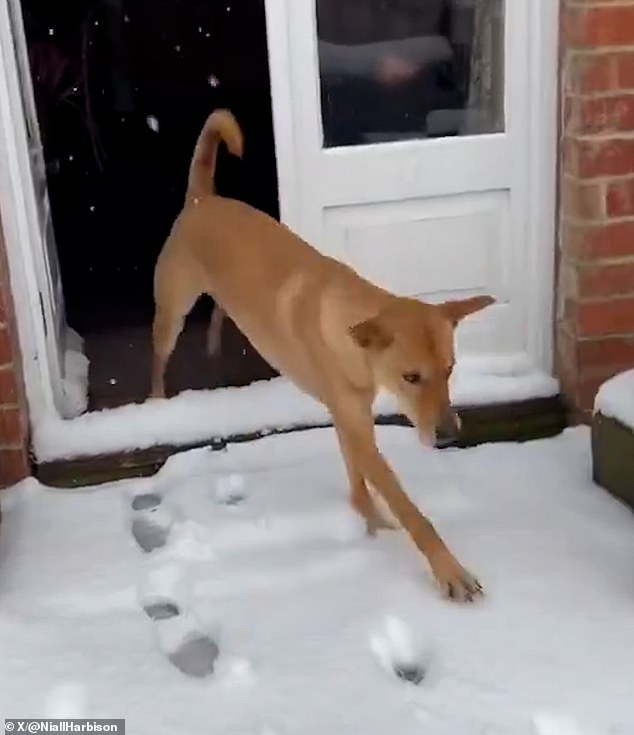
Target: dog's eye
column 412, row 378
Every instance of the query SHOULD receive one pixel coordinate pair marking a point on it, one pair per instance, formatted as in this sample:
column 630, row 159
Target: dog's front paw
column 455, row 582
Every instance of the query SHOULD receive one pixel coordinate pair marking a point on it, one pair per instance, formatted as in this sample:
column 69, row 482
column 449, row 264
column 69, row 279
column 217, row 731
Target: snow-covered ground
column 264, row 563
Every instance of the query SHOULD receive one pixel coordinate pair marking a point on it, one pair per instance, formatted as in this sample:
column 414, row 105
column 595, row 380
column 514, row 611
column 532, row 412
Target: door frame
column 18, row 222
column 25, row 250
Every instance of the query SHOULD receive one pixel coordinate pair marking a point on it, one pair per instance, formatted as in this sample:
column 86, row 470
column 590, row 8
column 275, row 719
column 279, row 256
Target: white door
column 402, row 131
column 29, row 164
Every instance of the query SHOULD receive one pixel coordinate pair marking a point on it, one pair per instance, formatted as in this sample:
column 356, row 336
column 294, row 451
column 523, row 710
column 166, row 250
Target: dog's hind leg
column 176, row 290
column 214, row 332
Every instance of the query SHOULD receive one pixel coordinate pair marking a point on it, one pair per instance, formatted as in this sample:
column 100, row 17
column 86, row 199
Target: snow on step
column 615, row 398
column 194, row 416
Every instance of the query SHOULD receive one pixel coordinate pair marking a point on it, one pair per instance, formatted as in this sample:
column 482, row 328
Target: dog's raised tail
column 221, row 125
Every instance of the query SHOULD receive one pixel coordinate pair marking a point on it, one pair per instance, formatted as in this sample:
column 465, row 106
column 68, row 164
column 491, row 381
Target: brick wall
column 595, row 314
column 14, row 458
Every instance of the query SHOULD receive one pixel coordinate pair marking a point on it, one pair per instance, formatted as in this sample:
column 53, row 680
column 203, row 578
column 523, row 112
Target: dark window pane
column 398, row 69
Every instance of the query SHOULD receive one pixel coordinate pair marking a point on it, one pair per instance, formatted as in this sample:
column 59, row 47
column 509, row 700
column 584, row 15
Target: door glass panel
column 401, row 69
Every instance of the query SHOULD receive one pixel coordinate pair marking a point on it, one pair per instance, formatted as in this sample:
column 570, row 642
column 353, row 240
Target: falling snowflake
column 207, row 35
column 126, row 18
column 200, row 30
column 153, row 123
column 96, row 23
column 113, row 381
column 213, row 80
column 177, row 48
column 228, row 8
column 92, row 207
column 71, row 157
column 51, row 31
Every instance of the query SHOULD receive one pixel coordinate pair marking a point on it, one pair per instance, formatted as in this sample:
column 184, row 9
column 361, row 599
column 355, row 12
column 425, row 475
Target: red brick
column 584, row 201
column 613, row 351
column 606, row 280
column 568, row 384
column 14, row 466
column 620, row 198
column 624, row 64
column 605, row 317
column 11, row 427
column 3, row 309
column 590, row 158
column 608, row 25
column 570, row 3
column 568, row 152
column 591, row 73
column 6, row 346
column 591, row 379
column 591, row 115
column 595, row 331
column 566, row 351
column 592, row 242
column 567, row 280
column 587, row 390
column 8, row 385
column 571, row 314
column 588, row 73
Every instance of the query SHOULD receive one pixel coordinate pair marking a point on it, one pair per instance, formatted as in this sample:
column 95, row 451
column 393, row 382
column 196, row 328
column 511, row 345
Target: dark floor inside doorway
column 126, row 379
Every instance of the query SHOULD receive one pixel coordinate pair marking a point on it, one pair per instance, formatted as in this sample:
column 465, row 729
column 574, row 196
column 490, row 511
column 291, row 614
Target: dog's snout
column 448, row 430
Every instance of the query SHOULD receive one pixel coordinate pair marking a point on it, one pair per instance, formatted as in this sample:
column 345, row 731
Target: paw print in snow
column 398, row 653
column 151, row 521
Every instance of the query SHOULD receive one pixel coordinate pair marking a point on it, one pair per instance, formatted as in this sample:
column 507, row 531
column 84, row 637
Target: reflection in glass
column 399, row 69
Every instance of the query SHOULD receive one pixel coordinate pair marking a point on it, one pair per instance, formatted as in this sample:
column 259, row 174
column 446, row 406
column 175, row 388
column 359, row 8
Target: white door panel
column 435, row 249
column 394, row 171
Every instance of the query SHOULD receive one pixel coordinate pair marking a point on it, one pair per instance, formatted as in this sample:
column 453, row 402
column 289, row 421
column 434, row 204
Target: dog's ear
column 455, row 311
column 371, row 335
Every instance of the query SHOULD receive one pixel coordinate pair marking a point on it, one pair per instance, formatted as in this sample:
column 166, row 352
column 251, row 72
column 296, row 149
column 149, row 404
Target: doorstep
column 524, row 420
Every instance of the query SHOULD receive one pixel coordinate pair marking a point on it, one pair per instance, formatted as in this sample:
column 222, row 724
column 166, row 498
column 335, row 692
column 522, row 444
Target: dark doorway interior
column 122, row 89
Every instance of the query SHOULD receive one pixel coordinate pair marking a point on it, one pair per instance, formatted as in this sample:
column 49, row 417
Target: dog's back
column 261, row 274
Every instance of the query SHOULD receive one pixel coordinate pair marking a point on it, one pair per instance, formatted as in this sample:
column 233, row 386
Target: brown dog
column 336, row 336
